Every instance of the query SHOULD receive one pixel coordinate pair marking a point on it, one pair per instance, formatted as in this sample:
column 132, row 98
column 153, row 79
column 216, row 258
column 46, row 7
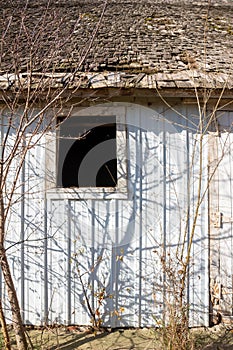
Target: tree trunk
column 13, row 300
column 4, row 329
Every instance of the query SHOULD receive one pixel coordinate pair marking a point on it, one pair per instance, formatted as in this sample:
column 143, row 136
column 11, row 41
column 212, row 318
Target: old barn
column 134, row 173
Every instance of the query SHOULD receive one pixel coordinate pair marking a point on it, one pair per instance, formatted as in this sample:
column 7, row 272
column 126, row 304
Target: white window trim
column 79, row 193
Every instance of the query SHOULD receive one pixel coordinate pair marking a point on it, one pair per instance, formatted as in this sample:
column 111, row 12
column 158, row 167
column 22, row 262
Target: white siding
column 130, row 235
column 221, row 238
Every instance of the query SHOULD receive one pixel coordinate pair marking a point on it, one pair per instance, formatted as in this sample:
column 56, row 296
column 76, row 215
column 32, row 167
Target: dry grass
column 69, row 338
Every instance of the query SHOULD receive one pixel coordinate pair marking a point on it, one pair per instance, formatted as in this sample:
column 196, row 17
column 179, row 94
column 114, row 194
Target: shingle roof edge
column 188, row 79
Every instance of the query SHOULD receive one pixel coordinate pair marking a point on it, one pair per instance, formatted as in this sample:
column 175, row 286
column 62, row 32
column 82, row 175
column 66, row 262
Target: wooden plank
column 220, row 210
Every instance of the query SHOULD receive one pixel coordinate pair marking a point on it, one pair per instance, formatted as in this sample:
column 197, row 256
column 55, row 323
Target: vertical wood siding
column 221, row 243
column 127, row 236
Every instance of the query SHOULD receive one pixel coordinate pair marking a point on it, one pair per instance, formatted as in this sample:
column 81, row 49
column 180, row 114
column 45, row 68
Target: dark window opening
column 87, row 152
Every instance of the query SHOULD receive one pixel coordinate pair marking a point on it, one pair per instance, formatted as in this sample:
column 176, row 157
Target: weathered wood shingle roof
column 147, row 43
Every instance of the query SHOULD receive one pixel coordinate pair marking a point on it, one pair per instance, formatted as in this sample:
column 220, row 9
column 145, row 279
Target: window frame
column 78, row 193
